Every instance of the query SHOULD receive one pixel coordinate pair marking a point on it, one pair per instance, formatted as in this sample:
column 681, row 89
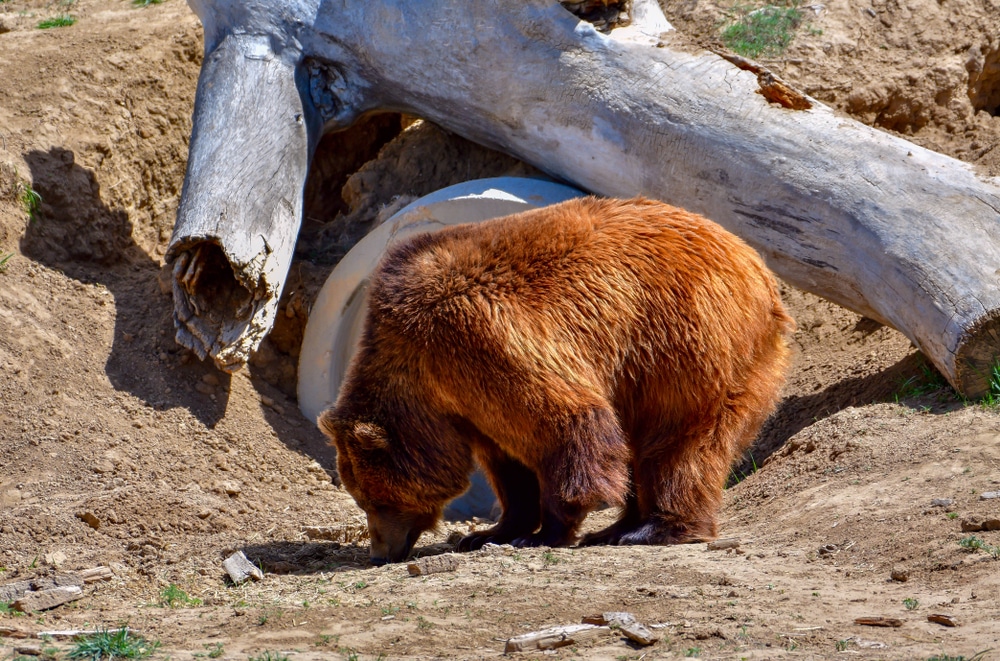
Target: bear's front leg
column 517, row 489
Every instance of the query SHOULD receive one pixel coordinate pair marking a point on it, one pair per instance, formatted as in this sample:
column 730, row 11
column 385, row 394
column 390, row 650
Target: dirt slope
column 104, row 419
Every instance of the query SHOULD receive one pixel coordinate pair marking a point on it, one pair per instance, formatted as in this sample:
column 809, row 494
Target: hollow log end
column 216, row 313
column 977, row 360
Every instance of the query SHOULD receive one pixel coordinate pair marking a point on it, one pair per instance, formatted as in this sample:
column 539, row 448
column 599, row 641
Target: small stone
column 54, row 559
column 828, row 549
column 941, row 618
column 434, row 564
column 989, row 495
column 210, row 379
column 90, row 519
column 879, row 621
column 204, row 514
column 266, row 401
column 232, row 489
column 722, row 544
column 942, row 502
column 900, row 575
column 46, row 599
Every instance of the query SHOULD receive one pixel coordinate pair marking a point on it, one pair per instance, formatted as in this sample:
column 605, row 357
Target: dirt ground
column 118, row 448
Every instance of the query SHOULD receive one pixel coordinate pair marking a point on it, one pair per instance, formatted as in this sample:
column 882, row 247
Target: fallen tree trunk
column 895, row 232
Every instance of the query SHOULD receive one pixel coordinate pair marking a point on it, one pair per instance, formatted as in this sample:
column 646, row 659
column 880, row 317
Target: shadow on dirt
column 323, row 556
column 74, row 232
column 911, row 382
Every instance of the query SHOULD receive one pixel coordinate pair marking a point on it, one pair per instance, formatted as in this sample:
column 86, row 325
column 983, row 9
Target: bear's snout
column 392, row 537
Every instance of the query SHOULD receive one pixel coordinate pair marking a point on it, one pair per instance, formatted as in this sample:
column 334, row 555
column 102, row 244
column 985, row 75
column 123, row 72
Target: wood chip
column 240, row 569
column 11, row 632
column 46, row 599
column 433, row 564
column 723, row 544
column 941, row 618
column 96, row 574
column 549, row 639
column 879, row 621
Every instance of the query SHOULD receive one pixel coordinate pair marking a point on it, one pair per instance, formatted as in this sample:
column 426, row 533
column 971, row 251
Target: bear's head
column 400, row 500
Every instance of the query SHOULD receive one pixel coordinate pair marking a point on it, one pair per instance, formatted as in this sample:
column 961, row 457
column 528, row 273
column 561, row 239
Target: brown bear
column 594, row 351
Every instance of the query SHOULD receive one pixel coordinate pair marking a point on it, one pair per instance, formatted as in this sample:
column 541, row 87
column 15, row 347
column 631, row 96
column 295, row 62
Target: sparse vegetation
column 756, row 31
column 173, row 596
column 928, row 381
column 7, row 609
column 978, row 656
column 973, row 543
column 5, row 260
column 910, row 603
column 30, row 200
column 118, row 644
column 268, row 655
column 61, row 21
column 145, row 3
column 992, row 396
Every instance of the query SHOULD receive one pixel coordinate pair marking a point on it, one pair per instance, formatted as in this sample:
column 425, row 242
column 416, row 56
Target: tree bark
column 895, row 232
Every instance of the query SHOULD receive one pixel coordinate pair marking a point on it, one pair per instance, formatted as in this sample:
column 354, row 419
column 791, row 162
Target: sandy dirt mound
column 118, row 448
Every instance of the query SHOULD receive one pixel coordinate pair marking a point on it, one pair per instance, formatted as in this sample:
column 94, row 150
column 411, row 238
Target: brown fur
column 595, row 351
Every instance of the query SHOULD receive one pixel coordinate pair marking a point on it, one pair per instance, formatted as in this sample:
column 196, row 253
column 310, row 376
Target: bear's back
column 592, row 296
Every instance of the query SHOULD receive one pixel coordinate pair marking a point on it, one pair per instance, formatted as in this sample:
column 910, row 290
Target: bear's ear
column 331, row 424
column 370, row 436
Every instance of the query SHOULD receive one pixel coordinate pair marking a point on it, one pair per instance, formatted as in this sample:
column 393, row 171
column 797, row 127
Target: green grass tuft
column 61, row 21
column 4, row 263
column 145, row 3
column 30, row 200
column 173, row 596
column 767, row 30
column 120, row 644
column 269, row 656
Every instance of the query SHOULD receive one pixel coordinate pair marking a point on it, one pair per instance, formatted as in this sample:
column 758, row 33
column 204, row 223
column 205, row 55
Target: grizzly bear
column 594, row 351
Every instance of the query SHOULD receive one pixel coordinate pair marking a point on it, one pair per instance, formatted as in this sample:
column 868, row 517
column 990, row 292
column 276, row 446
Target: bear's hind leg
column 518, row 491
column 586, row 466
column 680, row 476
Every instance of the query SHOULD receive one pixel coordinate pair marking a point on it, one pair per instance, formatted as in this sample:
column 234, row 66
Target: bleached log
column 895, row 232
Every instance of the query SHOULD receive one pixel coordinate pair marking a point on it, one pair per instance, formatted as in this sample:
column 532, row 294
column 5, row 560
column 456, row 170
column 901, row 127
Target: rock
column 879, row 621
column 232, row 489
column 11, row 591
column 240, row 569
column 54, row 559
column 989, row 495
column 942, row 502
column 900, row 575
column 723, row 544
column 627, row 624
column 204, row 388
column 90, row 519
column 828, row 549
column 433, row 564
column 941, row 618
column 975, row 525
column 46, row 599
